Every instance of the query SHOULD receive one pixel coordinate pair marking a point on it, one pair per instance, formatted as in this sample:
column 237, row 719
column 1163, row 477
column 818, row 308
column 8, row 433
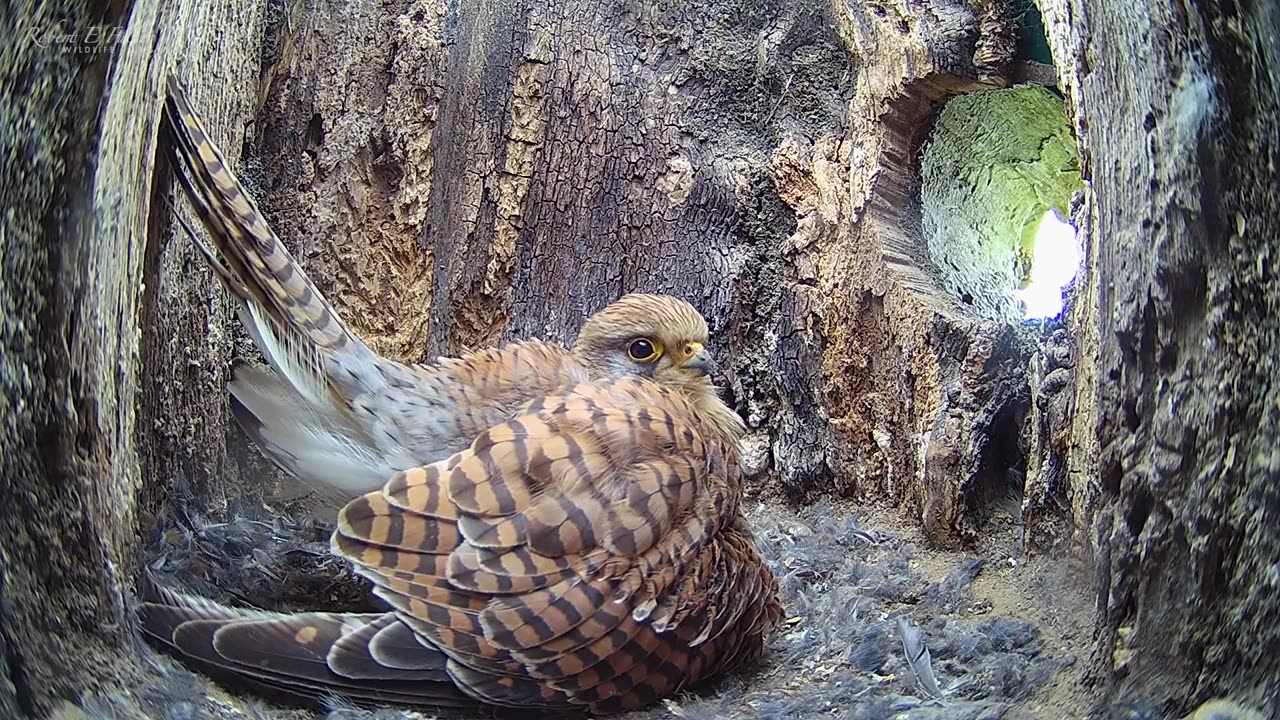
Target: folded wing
column 588, row 545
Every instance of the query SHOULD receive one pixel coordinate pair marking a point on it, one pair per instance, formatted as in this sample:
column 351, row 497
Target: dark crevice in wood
column 1002, row 465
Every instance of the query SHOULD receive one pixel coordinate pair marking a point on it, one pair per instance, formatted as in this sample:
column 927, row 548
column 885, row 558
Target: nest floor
column 1006, row 636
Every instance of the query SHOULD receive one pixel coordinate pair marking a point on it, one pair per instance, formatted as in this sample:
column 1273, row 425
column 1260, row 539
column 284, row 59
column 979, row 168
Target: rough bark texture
column 67, row 441
column 82, row 376
column 459, row 174
column 1174, row 453
column 457, row 177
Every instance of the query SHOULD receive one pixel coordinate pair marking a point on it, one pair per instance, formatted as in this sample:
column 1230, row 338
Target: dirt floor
column 1005, row 636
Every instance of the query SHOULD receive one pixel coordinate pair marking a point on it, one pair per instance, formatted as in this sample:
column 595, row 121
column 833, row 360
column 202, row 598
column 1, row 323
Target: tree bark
column 460, row 177
column 1174, row 454
column 66, row 440
column 108, row 341
column 457, row 175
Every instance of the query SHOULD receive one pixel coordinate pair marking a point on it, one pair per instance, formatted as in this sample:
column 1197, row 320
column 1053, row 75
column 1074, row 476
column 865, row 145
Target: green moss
column 997, row 161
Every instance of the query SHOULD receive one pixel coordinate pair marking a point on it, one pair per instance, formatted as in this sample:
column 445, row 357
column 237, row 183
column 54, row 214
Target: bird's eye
column 642, row 350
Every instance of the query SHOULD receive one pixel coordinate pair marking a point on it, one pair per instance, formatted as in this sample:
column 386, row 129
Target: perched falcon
column 549, row 527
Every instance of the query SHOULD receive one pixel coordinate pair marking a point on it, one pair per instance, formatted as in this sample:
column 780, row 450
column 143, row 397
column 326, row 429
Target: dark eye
column 642, row 350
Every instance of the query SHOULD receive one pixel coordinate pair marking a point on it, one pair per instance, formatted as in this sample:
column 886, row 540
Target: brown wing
column 370, row 658
column 332, row 412
column 588, row 544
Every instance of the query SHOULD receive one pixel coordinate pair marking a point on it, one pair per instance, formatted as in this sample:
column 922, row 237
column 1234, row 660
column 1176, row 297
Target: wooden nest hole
column 973, row 203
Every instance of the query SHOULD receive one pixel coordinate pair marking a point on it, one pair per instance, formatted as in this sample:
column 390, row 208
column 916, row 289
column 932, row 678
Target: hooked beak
column 697, row 359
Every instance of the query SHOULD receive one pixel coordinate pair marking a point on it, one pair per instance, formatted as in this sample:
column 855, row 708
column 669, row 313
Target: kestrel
column 549, row 527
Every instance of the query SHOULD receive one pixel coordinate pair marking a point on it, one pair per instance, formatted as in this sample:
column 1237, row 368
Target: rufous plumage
column 548, row 526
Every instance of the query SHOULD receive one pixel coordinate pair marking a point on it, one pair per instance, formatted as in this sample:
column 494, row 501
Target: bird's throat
column 719, row 417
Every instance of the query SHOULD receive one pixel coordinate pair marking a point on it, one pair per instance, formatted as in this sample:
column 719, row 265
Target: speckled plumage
column 549, row 527
column 340, row 417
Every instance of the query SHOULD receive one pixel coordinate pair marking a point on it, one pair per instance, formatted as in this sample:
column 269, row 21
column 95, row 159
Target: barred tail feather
column 370, row 658
column 303, row 415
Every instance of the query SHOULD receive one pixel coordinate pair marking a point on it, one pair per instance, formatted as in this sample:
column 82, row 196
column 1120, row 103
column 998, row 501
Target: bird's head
column 655, row 336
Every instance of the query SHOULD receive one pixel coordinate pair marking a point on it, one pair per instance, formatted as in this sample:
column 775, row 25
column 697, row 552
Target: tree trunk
column 455, row 175
column 113, row 353
column 67, row 372
column 1178, row 455
column 456, row 178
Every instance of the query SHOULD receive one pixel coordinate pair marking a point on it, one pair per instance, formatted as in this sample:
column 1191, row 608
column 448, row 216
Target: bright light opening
column 1054, row 262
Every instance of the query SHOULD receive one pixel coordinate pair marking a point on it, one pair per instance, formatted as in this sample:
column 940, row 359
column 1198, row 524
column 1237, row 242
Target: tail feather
column 317, row 445
column 250, row 249
column 305, row 655
column 293, row 325
column 321, row 368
